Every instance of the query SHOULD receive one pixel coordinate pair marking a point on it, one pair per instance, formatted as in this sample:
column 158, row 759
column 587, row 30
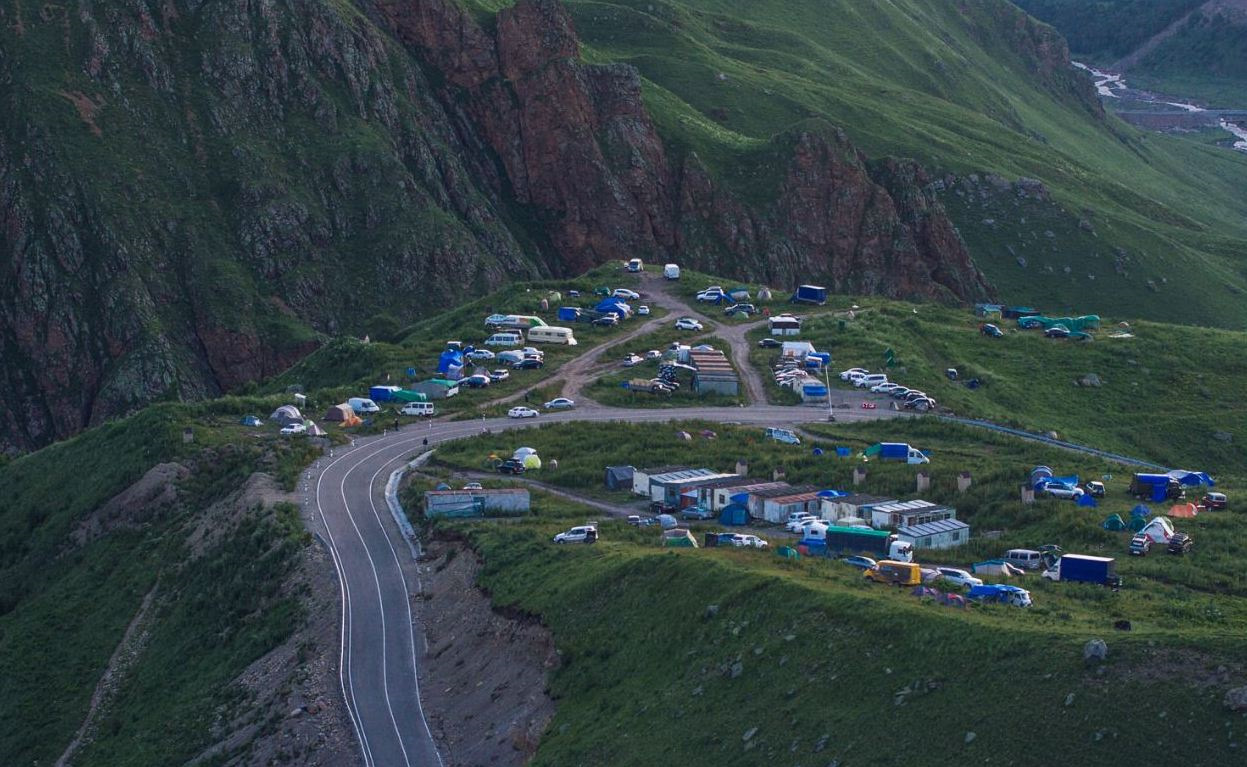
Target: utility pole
column 827, row 379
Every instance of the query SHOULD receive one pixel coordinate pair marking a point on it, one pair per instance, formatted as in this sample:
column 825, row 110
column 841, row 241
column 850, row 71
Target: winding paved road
column 381, row 644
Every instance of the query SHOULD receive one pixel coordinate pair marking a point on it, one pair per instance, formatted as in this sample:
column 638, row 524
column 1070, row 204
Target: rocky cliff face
column 187, row 189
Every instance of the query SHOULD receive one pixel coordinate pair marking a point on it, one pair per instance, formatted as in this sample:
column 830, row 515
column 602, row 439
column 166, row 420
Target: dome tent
column 532, row 462
column 286, row 415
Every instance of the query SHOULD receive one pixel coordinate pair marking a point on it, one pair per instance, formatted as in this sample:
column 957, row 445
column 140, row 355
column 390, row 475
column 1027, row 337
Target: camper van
column 508, row 338
column 783, row 435
column 636, row 265
column 552, row 335
column 418, row 408
column 898, row 573
column 671, row 272
column 363, row 405
column 1027, row 559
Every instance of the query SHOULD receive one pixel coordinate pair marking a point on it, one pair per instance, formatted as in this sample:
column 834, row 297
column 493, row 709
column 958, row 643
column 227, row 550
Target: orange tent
column 1183, row 510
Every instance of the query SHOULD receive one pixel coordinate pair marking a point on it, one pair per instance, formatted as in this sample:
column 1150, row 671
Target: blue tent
column 734, row 514
column 450, row 362
column 1192, row 478
column 251, row 420
column 1140, row 512
column 843, row 452
column 818, row 451
column 1087, row 500
column 616, row 306
column 741, row 498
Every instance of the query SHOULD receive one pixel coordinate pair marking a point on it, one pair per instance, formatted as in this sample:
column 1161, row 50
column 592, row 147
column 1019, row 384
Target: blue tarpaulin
column 831, row 493
column 1192, row 478
column 734, row 514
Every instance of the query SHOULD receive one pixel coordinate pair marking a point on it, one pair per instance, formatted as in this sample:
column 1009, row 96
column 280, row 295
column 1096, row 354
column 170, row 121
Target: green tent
column 1138, row 523
column 1114, row 523
column 788, row 552
column 403, row 395
column 679, row 539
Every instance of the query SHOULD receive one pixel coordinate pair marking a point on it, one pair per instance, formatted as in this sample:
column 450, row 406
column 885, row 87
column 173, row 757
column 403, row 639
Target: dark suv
column 511, row 466
column 1181, row 543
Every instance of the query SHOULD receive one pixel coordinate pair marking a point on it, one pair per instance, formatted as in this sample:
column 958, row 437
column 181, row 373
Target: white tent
column 523, row 452
column 286, row 415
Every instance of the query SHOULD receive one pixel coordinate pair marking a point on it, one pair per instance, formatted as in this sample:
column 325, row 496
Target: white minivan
column 418, row 408
column 671, row 271
column 870, row 381
column 552, row 335
column 505, row 339
column 363, row 405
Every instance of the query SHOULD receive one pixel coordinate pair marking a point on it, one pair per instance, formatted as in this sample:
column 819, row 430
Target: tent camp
column 678, row 538
column 338, row 413
column 286, row 415
column 734, row 514
column 619, row 477
column 1183, row 510
column 997, row 567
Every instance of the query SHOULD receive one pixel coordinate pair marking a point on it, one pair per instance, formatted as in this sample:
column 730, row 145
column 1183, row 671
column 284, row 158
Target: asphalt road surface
column 380, row 642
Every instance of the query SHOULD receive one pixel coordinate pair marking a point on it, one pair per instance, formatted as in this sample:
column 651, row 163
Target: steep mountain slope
column 982, row 96
column 190, row 190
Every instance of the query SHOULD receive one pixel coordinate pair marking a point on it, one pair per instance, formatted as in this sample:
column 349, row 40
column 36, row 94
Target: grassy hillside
column 745, row 658
column 1200, row 53
column 960, row 88
column 1164, row 393
column 64, row 606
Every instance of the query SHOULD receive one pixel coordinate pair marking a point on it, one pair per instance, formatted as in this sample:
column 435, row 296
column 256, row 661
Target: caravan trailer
column 552, row 335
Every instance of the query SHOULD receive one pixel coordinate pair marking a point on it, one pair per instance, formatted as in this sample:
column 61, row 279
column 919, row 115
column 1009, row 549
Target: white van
column 1027, row 559
column 510, row 338
column 363, row 405
column 635, row 265
column 671, row 272
column 552, row 335
column 782, row 435
column 870, row 381
column 418, row 408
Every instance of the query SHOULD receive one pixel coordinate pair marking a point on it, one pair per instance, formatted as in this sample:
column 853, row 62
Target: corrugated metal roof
column 487, row 491
column 795, row 497
column 681, row 475
column 903, row 506
column 932, row 528
column 862, row 499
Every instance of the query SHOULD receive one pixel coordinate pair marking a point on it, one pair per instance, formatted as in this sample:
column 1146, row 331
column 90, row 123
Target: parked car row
column 558, row 403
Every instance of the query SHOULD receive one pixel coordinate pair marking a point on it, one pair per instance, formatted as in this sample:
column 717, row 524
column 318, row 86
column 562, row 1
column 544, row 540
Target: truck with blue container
column 1084, row 569
column 1156, row 487
column 900, row 452
column 831, row 541
column 809, row 294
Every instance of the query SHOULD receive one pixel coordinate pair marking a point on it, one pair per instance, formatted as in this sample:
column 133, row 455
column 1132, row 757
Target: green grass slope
column 64, row 607
column 736, row 657
column 968, row 88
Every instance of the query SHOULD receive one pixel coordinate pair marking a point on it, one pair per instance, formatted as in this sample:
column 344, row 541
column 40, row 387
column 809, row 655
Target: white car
column 884, row 388
column 522, row 412
column 794, row 525
column 632, row 360
column 710, row 296
column 653, row 354
column 870, row 381
column 642, row 311
column 624, row 293
column 1063, row 492
column 473, row 486
column 847, row 375
column 294, row 428
column 480, row 354
column 688, row 323
column 581, row 534
column 958, row 576
column 501, row 374
column 749, row 541
column 560, row 403
column 532, row 351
